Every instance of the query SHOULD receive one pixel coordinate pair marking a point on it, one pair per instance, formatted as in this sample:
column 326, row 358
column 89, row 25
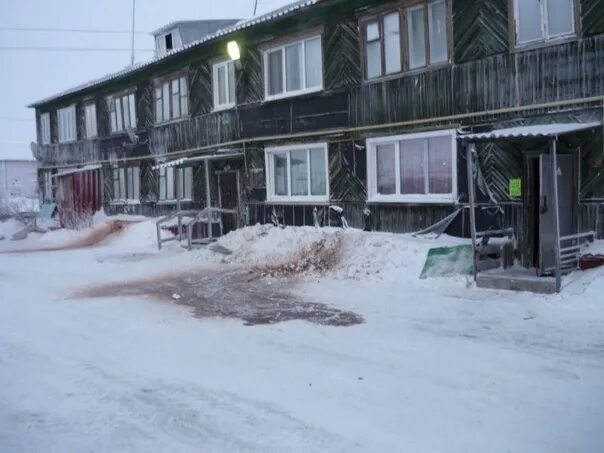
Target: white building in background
column 18, row 186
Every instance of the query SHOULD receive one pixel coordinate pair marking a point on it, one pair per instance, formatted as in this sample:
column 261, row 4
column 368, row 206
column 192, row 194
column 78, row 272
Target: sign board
column 515, row 189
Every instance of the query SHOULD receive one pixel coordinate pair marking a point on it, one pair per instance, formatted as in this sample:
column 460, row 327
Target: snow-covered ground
column 436, row 366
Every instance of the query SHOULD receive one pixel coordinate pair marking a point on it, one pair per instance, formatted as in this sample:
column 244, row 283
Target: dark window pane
column 299, row 172
column 440, row 165
column 412, row 166
column 385, row 167
column 293, row 67
column 275, row 72
column 280, row 174
column 318, row 172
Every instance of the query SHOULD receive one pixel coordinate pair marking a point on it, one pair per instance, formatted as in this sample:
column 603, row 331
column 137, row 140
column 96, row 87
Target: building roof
column 534, row 131
column 205, row 27
column 268, row 17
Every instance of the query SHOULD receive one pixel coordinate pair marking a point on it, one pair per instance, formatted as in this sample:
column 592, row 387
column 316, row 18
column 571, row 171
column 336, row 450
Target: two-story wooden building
column 367, row 105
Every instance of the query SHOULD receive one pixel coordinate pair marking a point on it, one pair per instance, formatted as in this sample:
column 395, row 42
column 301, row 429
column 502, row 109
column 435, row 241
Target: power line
column 69, row 30
column 71, row 49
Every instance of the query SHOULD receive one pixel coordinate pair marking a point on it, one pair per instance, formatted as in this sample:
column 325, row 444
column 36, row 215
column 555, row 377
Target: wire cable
column 68, row 30
column 71, row 49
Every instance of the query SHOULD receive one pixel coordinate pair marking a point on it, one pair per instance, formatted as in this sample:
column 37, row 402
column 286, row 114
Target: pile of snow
column 362, row 255
column 10, row 227
column 99, row 229
column 139, row 235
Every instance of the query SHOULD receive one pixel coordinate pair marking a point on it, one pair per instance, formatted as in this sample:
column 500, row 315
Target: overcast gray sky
column 30, row 75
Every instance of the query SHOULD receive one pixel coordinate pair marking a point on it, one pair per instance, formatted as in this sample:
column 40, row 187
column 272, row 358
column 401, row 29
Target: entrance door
column 567, row 202
column 228, row 198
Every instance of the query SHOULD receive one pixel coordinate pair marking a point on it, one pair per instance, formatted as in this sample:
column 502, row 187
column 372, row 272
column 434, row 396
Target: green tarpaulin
column 447, row 261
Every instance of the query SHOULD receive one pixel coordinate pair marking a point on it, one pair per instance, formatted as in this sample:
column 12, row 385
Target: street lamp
column 233, row 50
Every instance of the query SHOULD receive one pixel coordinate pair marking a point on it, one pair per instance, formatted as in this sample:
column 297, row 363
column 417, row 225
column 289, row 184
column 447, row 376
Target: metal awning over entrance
column 550, row 172
column 183, row 161
column 538, row 131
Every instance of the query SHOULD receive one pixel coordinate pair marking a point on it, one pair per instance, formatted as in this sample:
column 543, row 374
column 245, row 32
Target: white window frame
column 372, row 192
column 165, row 107
column 186, row 173
column 90, row 119
column 120, row 107
column 545, row 36
column 285, row 93
column 126, row 181
column 215, row 69
column 269, row 153
column 45, row 128
column 67, row 131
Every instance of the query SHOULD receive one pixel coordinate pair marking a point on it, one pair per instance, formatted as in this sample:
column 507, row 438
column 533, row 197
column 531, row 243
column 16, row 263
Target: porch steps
column 516, row 280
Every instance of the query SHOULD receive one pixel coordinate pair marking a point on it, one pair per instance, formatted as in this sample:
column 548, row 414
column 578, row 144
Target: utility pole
column 133, row 24
column 255, row 7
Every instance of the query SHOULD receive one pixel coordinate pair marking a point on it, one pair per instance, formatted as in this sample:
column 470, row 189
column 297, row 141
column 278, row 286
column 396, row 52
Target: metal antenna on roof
column 255, row 7
column 133, row 16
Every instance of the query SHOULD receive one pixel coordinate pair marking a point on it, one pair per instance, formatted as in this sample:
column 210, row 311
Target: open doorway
column 539, row 224
column 228, row 198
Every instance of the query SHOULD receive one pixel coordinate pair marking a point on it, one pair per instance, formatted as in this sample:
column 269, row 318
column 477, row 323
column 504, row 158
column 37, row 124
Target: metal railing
column 164, row 220
column 210, row 216
column 571, row 252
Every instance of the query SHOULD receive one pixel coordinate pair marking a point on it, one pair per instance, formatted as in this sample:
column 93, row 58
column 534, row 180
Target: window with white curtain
column 294, row 68
column 126, row 184
column 297, row 173
column 171, row 99
column 424, row 31
column 90, row 117
column 543, row 20
column 45, row 128
column 171, row 186
column 67, row 124
column 223, row 79
column 122, row 112
column 413, row 168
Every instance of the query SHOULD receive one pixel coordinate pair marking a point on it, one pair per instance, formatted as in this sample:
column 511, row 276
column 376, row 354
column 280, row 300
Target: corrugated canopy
column 527, row 132
column 189, row 160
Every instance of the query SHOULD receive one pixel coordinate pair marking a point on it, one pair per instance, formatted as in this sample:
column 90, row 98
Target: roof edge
column 284, row 11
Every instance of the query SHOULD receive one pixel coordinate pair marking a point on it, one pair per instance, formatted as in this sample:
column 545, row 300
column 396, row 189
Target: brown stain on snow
column 237, row 294
column 101, row 234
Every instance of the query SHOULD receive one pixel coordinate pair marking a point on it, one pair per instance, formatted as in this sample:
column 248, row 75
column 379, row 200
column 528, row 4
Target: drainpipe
column 554, row 158
column 208, row 198
column 470, row 152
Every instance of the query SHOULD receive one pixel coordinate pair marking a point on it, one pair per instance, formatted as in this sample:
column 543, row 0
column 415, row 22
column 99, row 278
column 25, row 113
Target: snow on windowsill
column 173, row 201
column 413, row 199
column 125, row 202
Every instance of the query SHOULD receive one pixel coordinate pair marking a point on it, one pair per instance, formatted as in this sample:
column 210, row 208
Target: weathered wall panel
column 200, row 86
column 480, row 29
column 592, row 17
column 250, row 83
column 342, row 48
column 347, row 172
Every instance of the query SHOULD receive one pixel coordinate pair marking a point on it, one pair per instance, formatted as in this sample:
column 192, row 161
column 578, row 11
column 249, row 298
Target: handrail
column 578, row 236
column 570, row 254
column 166, row 219
column 203, row 216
